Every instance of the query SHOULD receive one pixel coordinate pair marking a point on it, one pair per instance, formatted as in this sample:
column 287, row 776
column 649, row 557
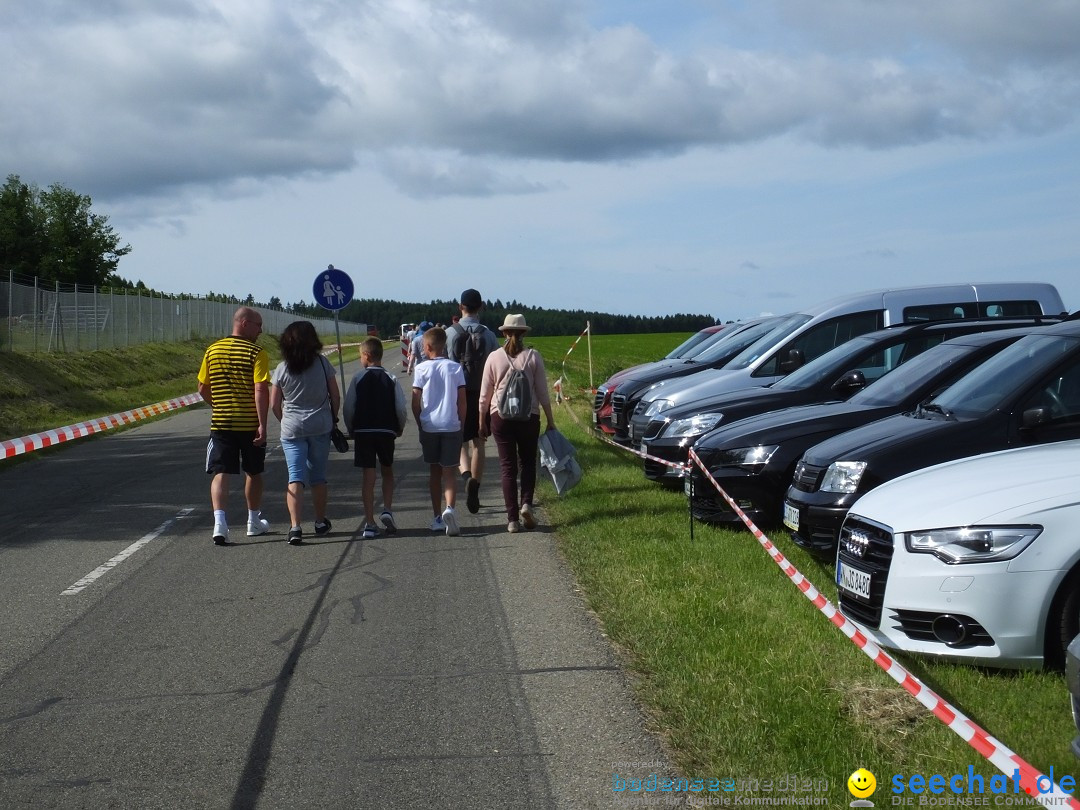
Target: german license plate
column 852, row 580
column 791, row 516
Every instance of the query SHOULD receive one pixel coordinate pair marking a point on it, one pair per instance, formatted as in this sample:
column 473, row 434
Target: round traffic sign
column 333, row 289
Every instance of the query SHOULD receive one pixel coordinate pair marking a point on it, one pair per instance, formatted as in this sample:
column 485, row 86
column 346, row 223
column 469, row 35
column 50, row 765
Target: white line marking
column 102, row 570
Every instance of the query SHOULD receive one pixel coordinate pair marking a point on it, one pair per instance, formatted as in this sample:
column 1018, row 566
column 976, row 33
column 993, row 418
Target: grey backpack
column 515, row 401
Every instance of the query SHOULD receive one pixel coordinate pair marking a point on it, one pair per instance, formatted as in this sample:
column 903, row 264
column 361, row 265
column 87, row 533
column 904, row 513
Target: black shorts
column 230, row 451
column 471, row 426
column 372, row 448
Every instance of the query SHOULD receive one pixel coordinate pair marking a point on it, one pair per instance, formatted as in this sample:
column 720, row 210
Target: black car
column 695, row 344
column 1026, row 394
column 754, row 459
column 629, row 389
column 835, row 375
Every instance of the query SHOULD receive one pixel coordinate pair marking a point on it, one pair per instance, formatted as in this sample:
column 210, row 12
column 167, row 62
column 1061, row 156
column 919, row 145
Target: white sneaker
column 528, row 519
column 449, row 519
column 388, row 521
column 221, row 535
column 437, row 524
column 257, row 527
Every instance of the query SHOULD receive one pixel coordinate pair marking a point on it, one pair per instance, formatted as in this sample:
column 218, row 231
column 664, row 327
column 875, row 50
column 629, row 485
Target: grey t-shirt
column 305, row 409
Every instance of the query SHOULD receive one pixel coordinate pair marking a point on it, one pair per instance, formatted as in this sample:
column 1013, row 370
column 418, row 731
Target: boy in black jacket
column 375, row 413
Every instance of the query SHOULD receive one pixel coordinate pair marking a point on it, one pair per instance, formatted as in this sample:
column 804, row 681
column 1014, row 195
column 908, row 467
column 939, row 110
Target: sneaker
column 449, row 519
column 221, row 536
column 437, row 524
column 322, row 526
column 528, row 519
column 472, row 495
column 370, row 530
column 513, row 527
column 257, row 527
column 387, row 519
column 296, row 536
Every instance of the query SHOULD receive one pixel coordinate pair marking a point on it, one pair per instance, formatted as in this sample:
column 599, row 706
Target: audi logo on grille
column 856, row 543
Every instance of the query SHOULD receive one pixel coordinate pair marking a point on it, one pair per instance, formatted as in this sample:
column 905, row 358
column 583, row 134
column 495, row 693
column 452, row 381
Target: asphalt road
column 141, row 666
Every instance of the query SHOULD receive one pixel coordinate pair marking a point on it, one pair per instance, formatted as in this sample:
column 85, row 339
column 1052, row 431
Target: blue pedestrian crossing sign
column 333, row 289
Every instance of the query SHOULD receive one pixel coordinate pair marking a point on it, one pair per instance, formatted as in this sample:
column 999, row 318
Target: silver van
column 802, row 336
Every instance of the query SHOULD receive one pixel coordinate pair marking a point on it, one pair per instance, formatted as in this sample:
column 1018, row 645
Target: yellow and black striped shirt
column 231, row 367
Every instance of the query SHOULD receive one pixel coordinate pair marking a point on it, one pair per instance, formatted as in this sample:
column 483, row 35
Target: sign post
column 333, row 290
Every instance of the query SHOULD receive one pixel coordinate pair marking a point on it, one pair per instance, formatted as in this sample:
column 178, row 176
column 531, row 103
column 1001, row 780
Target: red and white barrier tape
column 558, row 384
column 999, row 755
column 48, row 438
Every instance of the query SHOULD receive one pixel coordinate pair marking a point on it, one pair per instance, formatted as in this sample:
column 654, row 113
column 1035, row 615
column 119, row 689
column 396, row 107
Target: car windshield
column 693, row 344
column 897, row 385
column 778, row 332
column 731, row 344
column 990, row 385
column 842, row 358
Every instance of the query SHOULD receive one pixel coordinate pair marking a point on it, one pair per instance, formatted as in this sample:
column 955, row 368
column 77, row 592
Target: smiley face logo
column 861, row 783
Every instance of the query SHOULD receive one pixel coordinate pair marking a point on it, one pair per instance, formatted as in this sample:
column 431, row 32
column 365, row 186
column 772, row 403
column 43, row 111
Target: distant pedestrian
column 416, row 346
column 234, row 380
column 305, row 398
column 438, row 405
column 469, row 342
column 375, row 414
column 516, row 440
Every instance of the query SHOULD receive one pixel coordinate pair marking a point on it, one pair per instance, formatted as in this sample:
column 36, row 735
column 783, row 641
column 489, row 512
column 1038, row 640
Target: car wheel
column 1064, row 621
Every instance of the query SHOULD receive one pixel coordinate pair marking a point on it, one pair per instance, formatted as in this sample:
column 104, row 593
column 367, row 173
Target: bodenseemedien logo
column 862, row 785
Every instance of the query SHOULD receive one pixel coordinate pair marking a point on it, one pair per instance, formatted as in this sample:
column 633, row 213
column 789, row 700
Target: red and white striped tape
column 48, row 438
column 998, row 754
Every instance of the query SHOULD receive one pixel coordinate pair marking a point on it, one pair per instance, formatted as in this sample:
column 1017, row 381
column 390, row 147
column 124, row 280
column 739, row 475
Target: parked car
column 808, row 334
column 1072, row 676
column 754, row 459
column 833, row 376
column 1029, row 393
column 976, row 559
column 714, row 354
column 694, row 344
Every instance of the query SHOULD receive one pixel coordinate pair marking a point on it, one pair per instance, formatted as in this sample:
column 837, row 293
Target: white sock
column 254, row 515
column 221, row 525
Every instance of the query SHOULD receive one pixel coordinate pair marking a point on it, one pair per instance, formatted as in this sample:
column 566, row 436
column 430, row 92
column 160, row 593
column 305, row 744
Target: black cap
column 471, row 299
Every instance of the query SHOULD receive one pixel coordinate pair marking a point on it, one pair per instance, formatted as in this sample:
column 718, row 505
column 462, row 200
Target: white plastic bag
column 557, row 457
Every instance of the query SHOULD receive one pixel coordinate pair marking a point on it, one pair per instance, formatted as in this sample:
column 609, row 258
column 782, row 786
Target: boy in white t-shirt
column 438, row 405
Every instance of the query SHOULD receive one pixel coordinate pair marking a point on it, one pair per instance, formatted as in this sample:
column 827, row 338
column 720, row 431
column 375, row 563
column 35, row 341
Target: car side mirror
column 1034, row 417
column 849, row 383
column 794, row 360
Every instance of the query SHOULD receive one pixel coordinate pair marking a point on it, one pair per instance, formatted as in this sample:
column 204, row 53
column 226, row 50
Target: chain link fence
column 53, row 317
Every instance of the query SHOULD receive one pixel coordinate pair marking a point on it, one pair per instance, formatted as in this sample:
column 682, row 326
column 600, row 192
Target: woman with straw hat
column 516, row 440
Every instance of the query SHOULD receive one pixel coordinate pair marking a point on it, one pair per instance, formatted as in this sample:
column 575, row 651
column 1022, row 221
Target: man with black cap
column 469, row 343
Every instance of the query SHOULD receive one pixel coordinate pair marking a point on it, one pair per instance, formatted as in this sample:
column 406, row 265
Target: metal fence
column 54, row 317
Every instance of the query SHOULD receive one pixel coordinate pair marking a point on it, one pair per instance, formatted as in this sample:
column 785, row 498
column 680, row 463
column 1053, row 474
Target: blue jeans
column 306, row 458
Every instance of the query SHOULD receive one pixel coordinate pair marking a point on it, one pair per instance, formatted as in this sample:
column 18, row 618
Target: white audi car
column 976, row 559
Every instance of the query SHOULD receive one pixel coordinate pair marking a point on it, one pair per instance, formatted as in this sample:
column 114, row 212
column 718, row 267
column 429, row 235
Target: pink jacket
column 496, row 370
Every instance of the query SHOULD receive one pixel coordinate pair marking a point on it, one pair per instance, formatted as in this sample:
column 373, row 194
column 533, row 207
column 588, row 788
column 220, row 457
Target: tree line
column 52, row 235
column 387, row 316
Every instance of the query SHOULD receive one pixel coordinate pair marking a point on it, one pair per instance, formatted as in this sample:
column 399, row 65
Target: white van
column 802, row 336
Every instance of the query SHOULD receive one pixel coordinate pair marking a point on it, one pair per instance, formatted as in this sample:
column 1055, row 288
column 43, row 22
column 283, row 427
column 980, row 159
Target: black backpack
column 472, row 349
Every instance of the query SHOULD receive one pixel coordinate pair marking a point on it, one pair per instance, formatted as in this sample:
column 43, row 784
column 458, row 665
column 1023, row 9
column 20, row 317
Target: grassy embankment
column 742, row 676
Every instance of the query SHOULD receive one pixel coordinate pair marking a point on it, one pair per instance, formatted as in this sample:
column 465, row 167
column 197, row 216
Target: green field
column 737, row 671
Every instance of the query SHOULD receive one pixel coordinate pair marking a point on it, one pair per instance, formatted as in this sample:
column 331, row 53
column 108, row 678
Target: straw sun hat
column 514, row 323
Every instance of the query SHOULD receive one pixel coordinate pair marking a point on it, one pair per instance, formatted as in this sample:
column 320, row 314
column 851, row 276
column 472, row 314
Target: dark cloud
column 122, row 98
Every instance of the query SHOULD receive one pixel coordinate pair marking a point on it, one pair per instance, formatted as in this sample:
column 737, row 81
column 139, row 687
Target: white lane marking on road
column 105, row 568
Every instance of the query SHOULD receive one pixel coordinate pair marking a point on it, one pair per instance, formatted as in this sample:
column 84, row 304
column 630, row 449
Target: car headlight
column 972, row 544
column 658, row 406
column 843, row 476
column 696, row 425
column 749, row 457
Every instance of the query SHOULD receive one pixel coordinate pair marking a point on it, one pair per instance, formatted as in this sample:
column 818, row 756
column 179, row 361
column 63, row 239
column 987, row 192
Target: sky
column 719, row 157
